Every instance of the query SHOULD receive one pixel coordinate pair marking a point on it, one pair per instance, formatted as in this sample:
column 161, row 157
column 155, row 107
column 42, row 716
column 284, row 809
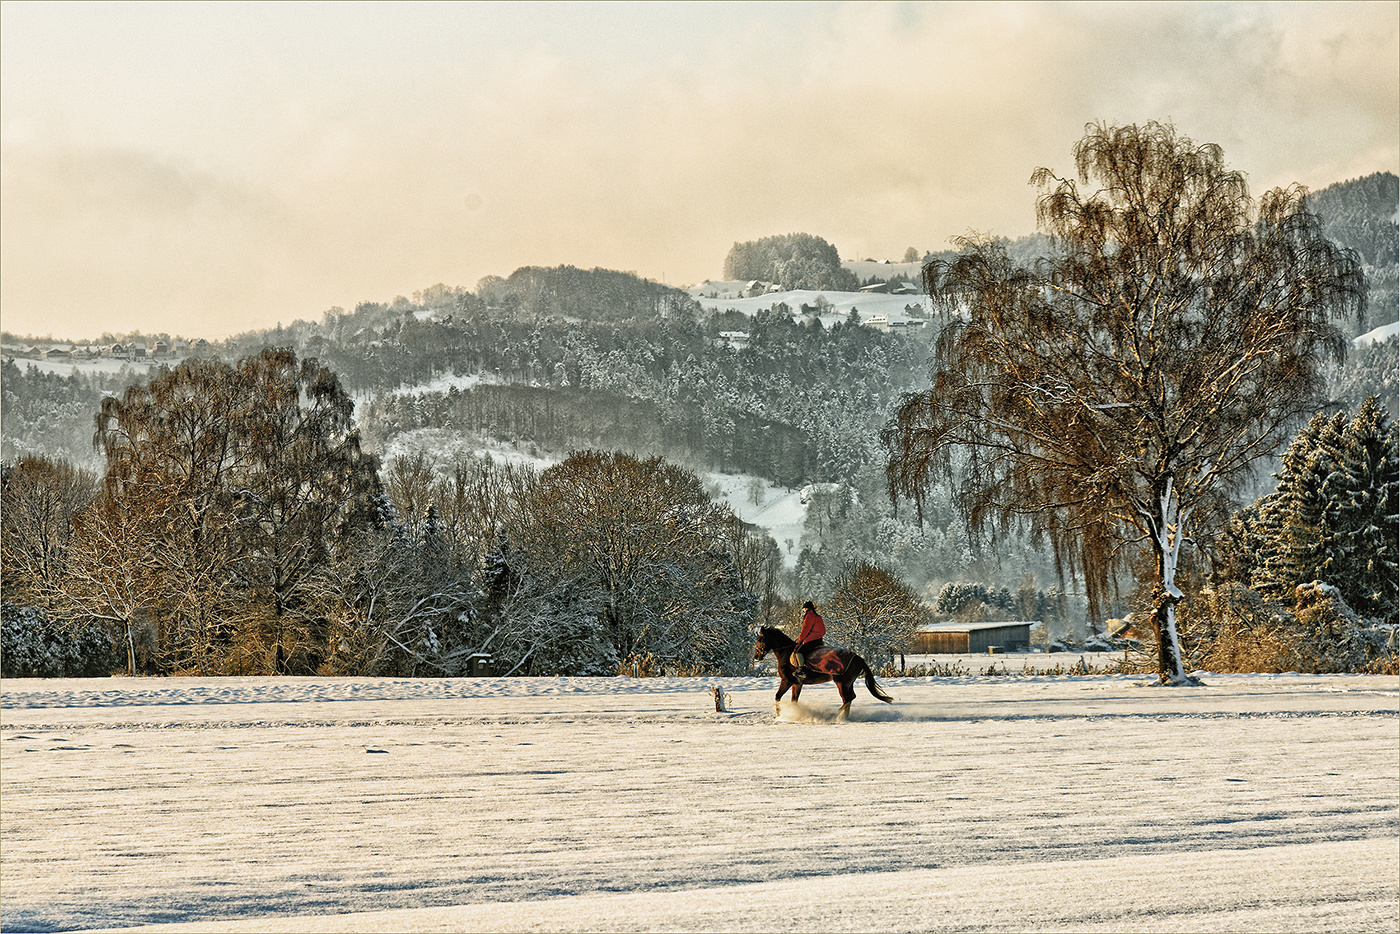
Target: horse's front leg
column 778, row 698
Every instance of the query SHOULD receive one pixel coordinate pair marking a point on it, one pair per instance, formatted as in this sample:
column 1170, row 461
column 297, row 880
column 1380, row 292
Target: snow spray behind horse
column 839, row 665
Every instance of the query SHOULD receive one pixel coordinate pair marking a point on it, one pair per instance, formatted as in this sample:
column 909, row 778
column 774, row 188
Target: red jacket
column 812, row 628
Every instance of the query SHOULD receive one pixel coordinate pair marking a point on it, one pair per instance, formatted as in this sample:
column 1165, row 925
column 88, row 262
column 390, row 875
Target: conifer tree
column 1292, row 525
column 1333, row 517
column 1369, row 513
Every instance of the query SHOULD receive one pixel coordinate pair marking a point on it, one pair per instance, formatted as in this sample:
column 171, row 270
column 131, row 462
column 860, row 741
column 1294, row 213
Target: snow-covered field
column 1099, row 803
column 1377, row 335
column 867, row 305
column 102, row 365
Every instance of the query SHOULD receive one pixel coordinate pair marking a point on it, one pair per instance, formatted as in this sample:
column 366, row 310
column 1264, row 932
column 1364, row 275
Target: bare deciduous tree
column 647, row 534
column 1117, row 391
column 874, row 612
column 235, row 483
column 38, row 500
column 111, row 574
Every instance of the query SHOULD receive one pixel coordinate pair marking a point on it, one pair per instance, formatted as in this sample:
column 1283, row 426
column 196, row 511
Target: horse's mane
column 775, row 637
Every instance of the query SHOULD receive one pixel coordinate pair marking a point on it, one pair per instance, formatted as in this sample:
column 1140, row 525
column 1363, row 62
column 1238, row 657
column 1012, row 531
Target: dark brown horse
column 839, row 665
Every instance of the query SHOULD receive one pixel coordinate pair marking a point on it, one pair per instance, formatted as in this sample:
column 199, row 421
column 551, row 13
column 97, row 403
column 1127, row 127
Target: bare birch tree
column 1116, row 392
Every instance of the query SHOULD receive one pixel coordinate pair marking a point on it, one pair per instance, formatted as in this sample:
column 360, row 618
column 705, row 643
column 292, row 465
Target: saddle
column 822, row 661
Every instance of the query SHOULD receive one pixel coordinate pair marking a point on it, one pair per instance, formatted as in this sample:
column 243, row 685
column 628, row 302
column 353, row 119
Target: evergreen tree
column 1362, row 563
column 1291, row 519
column 1333, row 517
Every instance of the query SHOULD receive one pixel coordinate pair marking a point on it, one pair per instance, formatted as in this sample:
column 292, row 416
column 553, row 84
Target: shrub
column 32, row 646
column 1234, row 628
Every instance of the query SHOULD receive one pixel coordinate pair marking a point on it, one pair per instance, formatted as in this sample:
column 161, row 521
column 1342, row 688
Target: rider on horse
column 813, row 629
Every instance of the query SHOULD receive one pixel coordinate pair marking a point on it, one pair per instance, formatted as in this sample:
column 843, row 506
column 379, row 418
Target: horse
column 839, row 665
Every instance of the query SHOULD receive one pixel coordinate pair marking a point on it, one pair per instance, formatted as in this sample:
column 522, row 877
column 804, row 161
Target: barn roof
column 974, row 627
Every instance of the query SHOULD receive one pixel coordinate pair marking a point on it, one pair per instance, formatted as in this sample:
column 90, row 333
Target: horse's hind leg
column 848, row 694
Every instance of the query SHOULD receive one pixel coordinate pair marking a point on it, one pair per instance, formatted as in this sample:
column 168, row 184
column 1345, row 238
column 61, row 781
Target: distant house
column 138, row 351
column 118, row 351
column 757, row 287
column 53, row 353
column 879, row 322
column 736, row 339
column 971, row 638
column 160, row 349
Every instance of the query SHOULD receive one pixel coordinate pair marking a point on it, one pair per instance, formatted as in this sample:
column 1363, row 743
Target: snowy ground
column 1377, row 335
column 779, row 511
column 867, row 304
column 1098, row 803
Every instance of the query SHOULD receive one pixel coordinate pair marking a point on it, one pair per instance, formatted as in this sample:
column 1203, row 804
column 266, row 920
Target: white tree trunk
column 1170, row 531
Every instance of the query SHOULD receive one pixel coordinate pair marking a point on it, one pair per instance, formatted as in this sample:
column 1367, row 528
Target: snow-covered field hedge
column 1100, row 803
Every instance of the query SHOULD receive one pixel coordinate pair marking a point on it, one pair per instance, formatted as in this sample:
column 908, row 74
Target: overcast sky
column 204, row 169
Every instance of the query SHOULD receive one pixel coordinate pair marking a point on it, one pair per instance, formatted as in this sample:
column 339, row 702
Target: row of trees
column 798, row 403
column 227, row 487
column 572, row 570
column 240, row 529
column 686, row 431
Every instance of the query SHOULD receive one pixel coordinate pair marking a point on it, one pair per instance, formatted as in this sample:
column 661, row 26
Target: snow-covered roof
column 973, row 627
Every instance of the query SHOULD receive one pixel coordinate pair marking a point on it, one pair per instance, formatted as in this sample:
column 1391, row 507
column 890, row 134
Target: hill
column 1363, row 214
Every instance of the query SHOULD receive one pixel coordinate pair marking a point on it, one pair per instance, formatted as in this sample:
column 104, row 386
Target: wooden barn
column 971, row 638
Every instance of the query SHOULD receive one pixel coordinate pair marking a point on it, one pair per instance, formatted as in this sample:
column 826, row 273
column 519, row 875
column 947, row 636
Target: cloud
column 278, row 184
column 114, row 239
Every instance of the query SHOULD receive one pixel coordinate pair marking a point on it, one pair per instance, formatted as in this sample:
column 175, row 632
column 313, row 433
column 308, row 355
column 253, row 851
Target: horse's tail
column 872, row 686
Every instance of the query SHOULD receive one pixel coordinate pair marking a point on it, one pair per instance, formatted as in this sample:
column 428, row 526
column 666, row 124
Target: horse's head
column 771, row 640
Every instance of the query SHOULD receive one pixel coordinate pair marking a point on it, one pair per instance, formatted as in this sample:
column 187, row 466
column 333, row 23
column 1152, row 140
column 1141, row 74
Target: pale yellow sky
column 208, row 168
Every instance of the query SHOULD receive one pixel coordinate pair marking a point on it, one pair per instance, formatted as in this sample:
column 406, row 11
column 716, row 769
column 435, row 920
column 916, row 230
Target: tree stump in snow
column 717, row 693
